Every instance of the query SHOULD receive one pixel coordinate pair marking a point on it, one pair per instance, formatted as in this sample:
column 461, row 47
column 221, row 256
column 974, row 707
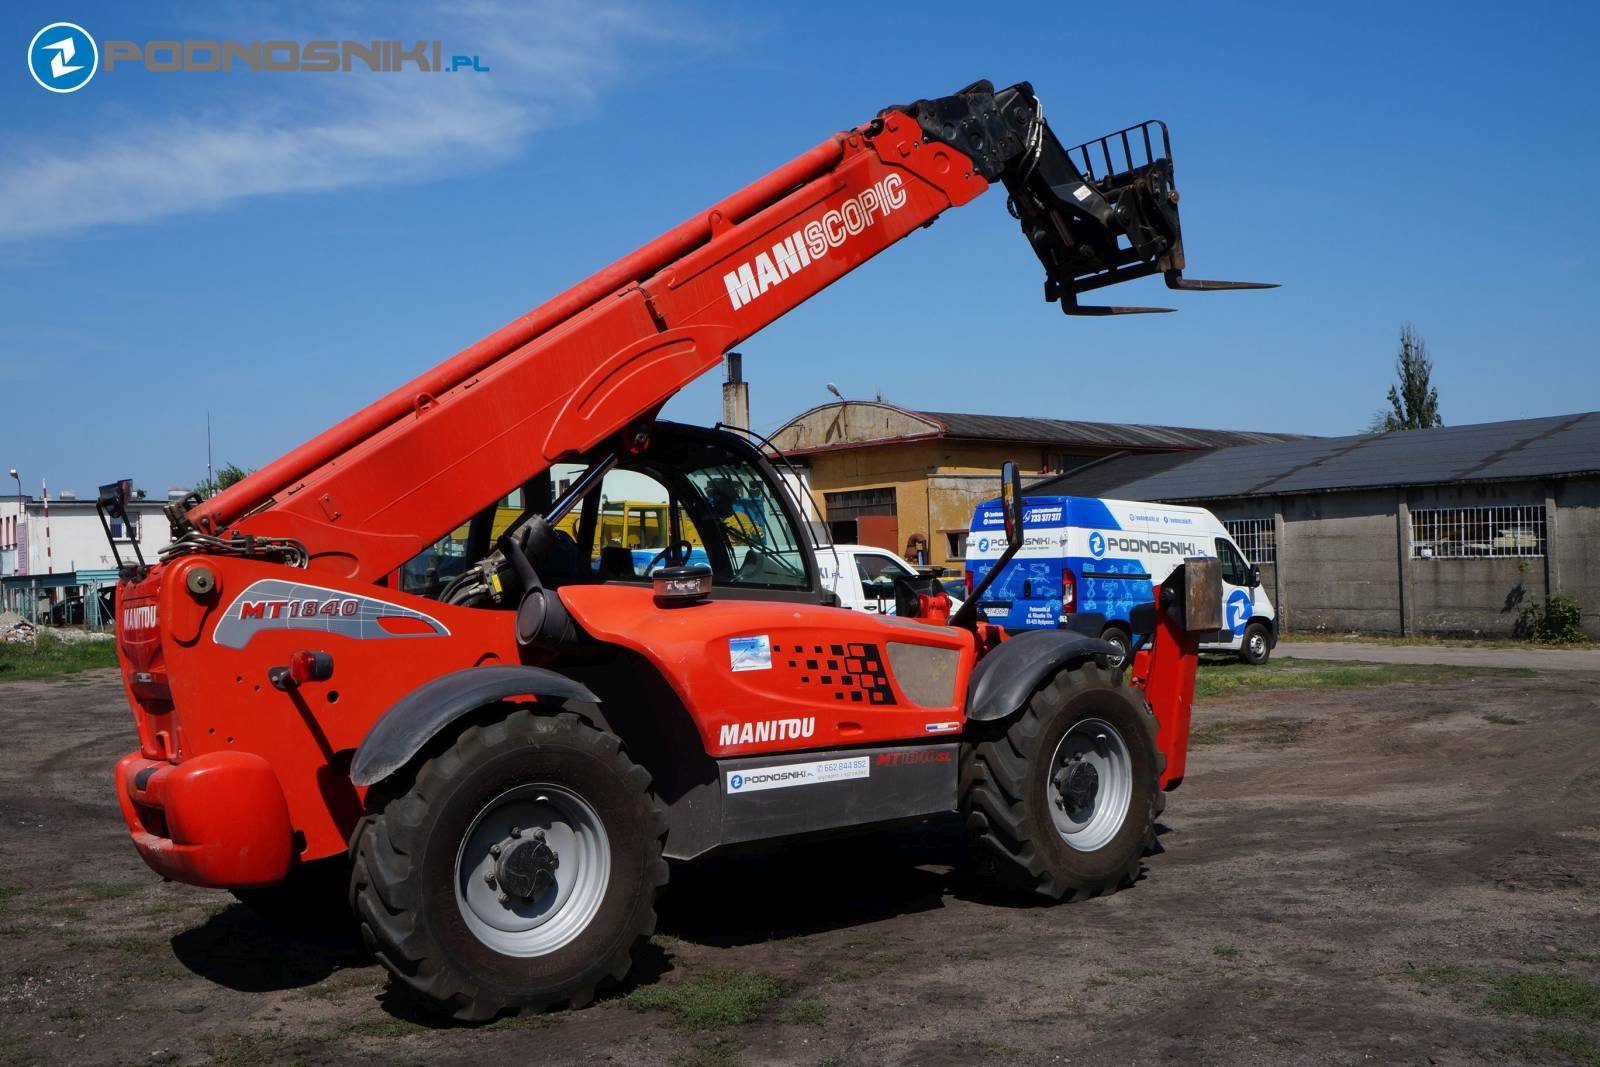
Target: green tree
column 1413, row 401
column 209, row 487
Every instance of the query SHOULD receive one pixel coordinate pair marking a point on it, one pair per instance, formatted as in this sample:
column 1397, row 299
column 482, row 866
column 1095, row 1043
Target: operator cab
column 687, row 497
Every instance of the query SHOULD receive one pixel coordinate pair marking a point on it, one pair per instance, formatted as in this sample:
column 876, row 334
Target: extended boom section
column 372, row 491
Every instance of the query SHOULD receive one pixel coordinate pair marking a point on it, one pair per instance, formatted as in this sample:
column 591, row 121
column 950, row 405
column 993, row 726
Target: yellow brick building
column 877, row 473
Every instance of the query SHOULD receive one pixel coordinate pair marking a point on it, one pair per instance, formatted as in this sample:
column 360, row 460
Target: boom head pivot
column 1098, row 214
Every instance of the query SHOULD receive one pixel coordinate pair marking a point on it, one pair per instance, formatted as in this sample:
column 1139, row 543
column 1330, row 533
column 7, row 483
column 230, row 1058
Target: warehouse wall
column 1339, row 560
column 1345, row 564
column 1575, row 563
column 1478, row 597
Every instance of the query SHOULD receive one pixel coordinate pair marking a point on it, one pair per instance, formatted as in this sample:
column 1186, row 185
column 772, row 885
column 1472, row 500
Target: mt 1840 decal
column 272, row 604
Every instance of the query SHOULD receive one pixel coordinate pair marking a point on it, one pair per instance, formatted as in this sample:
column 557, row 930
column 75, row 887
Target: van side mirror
column 1011, row 500
column 1255, row 575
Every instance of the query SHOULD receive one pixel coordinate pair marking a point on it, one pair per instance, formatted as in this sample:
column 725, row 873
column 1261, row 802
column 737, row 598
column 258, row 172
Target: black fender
column 416, row 718
column 1007, row 676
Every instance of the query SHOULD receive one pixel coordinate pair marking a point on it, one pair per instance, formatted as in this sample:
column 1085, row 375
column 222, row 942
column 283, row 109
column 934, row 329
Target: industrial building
column 56, row 551
column 1443, row 531
column 877, row 473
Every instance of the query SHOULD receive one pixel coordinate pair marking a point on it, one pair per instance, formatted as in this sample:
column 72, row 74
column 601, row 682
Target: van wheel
column 517, row 868
column 1117, row 636
column 1061, row 800
column 1255, row 648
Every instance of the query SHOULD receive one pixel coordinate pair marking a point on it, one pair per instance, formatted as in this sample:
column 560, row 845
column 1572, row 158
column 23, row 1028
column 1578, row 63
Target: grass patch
column 1227, row 952
column 1289, row 640
column 8, row 893
column 341, row 982
column 1547, row 995
column 1502, row 720
column 48, row 656
column 1224, row 678
column 380, row 1026
column 1441, row 975
column 806, row 1012
column 110, row 890
column 1568, row 1044
column 715, row 1000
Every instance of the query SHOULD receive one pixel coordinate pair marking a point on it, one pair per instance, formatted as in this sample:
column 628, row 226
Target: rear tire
column 1044, row 824
column 1254, row 647
column 518, row 868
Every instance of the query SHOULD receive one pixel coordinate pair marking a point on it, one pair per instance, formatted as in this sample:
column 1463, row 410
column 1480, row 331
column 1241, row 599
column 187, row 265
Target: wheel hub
column 1077, row 783
column 525, row 866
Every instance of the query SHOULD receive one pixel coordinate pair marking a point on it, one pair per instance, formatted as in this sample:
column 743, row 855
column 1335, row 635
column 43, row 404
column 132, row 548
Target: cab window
column 1235, row 571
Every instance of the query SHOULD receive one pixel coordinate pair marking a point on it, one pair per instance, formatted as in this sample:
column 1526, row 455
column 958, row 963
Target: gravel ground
column 1402, row 874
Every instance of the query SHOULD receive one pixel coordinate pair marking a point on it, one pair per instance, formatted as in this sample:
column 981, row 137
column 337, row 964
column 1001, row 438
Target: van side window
column 878, row 574
column 1234, row 569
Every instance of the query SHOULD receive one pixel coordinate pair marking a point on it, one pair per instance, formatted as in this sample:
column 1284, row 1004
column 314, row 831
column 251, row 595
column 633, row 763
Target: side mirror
column 1011, row 501
column 1255, row 575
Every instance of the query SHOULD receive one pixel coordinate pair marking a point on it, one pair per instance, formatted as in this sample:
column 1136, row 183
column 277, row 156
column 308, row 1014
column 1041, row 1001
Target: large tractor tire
column 1061, row 800
column 517, row 868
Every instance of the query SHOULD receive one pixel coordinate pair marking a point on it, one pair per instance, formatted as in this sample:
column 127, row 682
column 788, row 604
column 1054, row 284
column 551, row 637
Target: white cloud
column 309, row 132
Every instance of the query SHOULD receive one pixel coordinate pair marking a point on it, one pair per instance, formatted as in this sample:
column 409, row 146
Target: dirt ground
column 1403, row 874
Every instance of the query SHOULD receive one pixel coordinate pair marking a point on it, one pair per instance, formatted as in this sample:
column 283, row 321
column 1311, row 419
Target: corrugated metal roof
column 1560, row 445
column 1102, row 434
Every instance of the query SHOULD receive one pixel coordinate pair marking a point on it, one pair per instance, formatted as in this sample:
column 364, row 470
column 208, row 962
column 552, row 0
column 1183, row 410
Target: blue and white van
column 1087, row 562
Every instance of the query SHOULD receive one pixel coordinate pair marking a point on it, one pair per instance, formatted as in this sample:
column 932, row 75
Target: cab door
column 876, row 572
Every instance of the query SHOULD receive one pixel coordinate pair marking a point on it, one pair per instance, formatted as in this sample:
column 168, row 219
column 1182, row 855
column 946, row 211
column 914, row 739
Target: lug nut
column 495, row 850
column 516, row 831
column 488, row 877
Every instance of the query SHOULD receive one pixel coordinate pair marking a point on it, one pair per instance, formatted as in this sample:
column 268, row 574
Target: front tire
column 1254, row 646
column 1061, row 800
column 518, row 868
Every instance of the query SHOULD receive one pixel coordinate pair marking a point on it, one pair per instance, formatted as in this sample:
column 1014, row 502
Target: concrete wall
column 1339, row 562
column 1345, row 564
column 1575, row 561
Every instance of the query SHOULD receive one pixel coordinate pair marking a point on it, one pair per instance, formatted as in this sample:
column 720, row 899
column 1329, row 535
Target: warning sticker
column 791, row 774
column 750, row 653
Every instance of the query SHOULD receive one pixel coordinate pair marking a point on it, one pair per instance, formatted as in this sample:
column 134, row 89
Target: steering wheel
column 675, row 555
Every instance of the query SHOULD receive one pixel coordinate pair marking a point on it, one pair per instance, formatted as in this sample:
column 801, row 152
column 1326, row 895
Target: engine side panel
column 763, row 676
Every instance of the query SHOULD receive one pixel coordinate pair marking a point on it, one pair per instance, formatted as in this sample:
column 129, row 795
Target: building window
column 1062, row 462
column 1256, row 538
column 956, row 542
column 131, row 532
column 1477, row 532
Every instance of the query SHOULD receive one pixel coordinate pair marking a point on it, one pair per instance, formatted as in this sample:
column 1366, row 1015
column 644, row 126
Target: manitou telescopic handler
column 506, row 730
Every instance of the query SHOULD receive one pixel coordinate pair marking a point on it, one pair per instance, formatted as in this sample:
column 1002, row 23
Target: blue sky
column 280, row 249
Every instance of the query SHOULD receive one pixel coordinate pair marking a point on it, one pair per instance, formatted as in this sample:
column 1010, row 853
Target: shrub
column 1557, row 621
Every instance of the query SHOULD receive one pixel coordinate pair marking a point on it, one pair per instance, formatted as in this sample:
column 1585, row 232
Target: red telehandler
column 499, row 738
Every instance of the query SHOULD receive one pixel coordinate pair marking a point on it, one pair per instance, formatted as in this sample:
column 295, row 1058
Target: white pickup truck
column 863, row 576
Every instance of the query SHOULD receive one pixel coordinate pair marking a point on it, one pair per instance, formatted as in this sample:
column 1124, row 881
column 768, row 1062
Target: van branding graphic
column 755, row 733
column 1238, row 610
column 812, row 241
column 140, row 617
column 1154, row 546
column 1097, row 544
column 273, row 604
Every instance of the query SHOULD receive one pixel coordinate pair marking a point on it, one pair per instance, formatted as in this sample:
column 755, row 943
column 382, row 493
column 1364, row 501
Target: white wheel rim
column 540, row 924
column 1087, row 816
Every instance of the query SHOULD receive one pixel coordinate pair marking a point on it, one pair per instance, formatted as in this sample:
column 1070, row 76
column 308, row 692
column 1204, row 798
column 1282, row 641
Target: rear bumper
column 215, row 820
